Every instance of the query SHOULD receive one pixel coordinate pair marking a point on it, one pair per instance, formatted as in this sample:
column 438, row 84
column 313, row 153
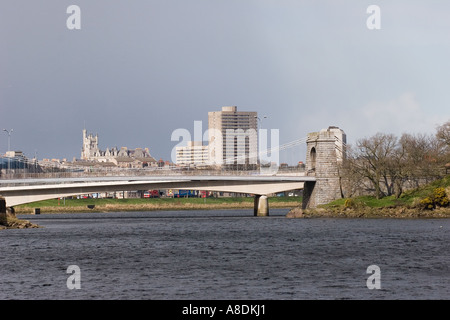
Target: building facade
column 122, row 157
column 195, row 153
column 233, row 138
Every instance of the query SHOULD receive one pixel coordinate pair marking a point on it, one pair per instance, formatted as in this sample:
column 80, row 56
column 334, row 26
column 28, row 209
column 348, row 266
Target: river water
column 224, row 254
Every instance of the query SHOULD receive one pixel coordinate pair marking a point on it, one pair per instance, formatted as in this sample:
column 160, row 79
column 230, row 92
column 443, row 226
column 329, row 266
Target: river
column 224, row 254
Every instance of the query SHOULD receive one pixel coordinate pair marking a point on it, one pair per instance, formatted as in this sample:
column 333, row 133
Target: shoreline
column 150, row 207
column 370, row 213
column 10, row 221
column 295, row 211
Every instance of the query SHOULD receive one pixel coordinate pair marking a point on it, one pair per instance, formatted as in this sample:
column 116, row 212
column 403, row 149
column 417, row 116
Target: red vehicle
column 151, row 194
column 205, row 194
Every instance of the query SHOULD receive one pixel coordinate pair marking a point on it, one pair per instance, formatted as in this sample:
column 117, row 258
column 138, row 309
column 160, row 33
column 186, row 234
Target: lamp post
column 9, row 147
column 9, row 137
column 260, row 121
column 260, row 124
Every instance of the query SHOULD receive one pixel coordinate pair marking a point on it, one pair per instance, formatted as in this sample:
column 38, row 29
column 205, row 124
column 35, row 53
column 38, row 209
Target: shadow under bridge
column 16, row 192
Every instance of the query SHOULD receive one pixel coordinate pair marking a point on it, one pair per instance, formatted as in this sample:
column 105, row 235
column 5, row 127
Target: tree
column 443, row 133
column 424, row 156
column 370, row 160
column 388, row 163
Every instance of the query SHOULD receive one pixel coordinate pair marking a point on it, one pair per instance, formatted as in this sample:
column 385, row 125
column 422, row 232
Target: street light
column 9, row 147
column 9, row 137
column 260, row 121
column 258, row 137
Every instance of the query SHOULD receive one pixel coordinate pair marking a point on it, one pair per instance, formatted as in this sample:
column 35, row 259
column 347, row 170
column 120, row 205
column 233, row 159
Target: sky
column 138, row 70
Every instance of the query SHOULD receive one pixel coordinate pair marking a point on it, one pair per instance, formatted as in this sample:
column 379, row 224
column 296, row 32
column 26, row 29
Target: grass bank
column 409, row 205
column 152, row 204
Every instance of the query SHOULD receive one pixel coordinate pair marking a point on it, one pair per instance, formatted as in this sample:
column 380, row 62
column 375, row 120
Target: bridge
column 325, row 149
column 260, row 186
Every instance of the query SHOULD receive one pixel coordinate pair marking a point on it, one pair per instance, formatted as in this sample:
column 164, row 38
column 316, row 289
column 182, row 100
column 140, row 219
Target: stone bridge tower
column 325, row 152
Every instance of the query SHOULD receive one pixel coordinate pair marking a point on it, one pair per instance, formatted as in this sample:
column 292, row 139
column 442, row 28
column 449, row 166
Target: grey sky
column 138, row 70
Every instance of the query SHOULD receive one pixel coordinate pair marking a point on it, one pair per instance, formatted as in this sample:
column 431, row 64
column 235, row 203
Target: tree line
column 386, row 164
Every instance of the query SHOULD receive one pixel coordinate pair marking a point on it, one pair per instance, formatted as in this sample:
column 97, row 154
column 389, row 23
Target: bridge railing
column 126, row 172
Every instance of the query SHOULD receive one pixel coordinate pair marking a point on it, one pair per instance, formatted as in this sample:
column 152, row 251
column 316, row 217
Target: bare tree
column 443, row 133
column 386, row 165
column 371, row 160
column 352, row 176
column 423, row 154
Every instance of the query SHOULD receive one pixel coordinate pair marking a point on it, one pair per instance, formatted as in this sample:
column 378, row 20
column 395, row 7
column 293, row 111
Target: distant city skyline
column 136, row 71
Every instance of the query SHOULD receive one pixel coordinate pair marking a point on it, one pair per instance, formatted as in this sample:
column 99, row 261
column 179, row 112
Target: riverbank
column 10, row 221
column 361, row 207
column 368, row 212
column 428, row 201
column 155, row 204
column 411, row 204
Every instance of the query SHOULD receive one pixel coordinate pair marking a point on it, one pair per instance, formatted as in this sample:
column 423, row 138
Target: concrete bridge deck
column 21, row 191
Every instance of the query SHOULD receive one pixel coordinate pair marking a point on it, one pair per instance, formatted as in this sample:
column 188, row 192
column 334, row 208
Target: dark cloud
column 137, row 70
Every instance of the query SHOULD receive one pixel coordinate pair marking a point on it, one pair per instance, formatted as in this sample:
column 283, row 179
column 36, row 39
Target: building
column 195, row 153
column 123, row 157
column 233, row 138
column 16, row 162
column 14, row 154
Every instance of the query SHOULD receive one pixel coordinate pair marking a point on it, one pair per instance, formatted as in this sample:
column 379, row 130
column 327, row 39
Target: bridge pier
column 2, row 209
column 308, row 197
column 261, row 207
column 6, row 212
column 326, row 151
